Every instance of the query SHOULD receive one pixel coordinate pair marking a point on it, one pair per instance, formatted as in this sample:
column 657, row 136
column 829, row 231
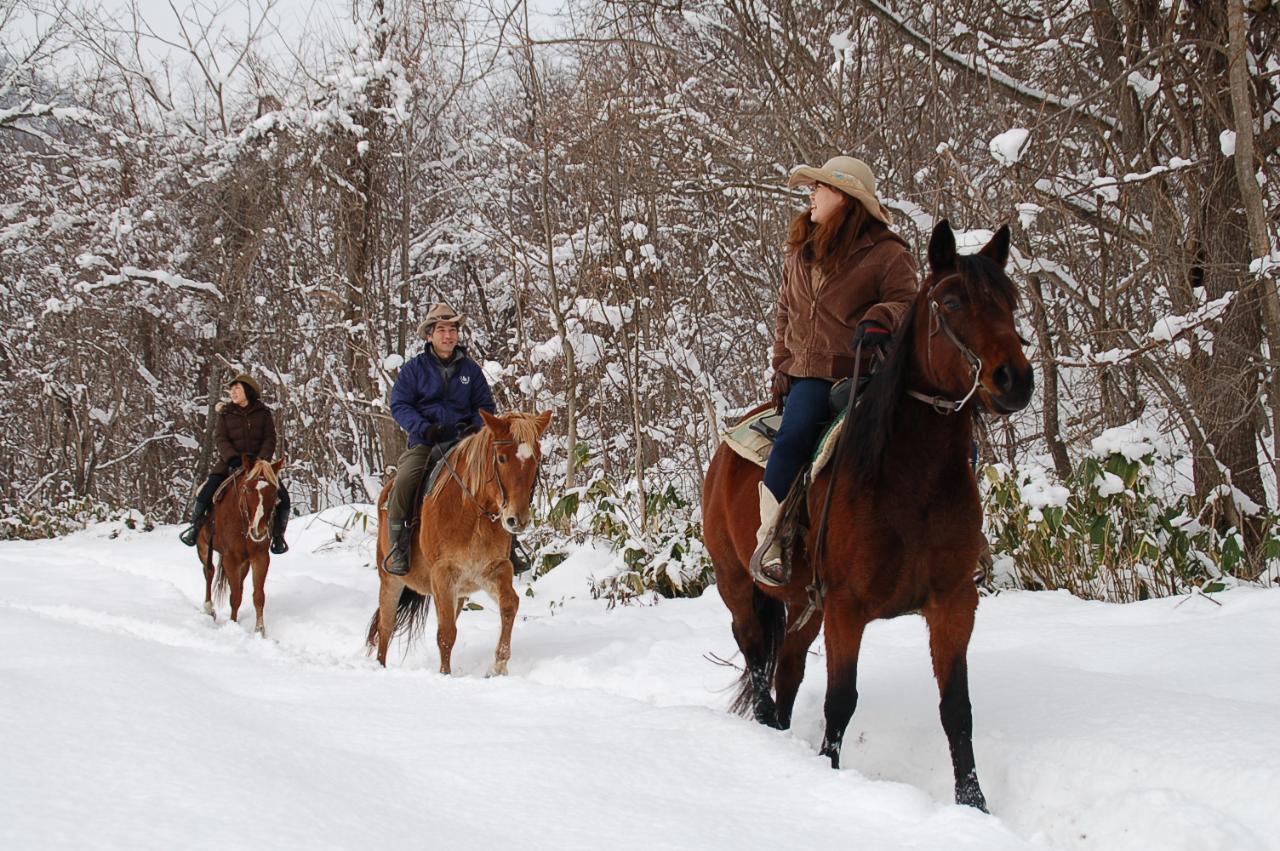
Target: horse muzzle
column 1010, row 387
column 515, row 522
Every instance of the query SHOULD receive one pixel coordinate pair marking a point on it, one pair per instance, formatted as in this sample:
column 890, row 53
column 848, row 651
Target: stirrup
column 189, row 535
column 390, row 565
column 774, row 574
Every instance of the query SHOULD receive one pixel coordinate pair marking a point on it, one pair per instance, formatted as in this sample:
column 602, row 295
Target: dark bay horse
column 904, row 530
column 481, row 496
column 239, row 531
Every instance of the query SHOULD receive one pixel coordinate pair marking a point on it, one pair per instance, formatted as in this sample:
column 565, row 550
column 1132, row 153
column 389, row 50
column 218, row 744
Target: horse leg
column 950, row 620
column 503, row 591
column 235, row 577
column 388, row 601
column 844, row 639
column 206, row 560
column 447, row 627
column 260, row 564
column 791, row 661
column 758, row 626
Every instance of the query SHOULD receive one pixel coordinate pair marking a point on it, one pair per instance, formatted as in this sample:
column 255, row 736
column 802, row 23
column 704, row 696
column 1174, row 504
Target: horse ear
column 998, row 248
column 942, row 248
column 279, row 465
column 543, row 420
column 490, row 420
column 245, row 463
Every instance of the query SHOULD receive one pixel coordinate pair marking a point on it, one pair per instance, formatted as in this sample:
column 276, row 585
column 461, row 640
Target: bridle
column 249, row 524
column 491, row 516
column 939, row 322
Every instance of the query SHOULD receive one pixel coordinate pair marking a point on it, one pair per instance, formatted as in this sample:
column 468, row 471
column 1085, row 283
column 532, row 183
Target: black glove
column 232, row 463
column 871, row 335
column 438, row 433
column 466, row 427
column 781, row 387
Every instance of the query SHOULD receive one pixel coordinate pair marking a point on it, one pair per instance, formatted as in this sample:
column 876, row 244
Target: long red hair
column 829, row 245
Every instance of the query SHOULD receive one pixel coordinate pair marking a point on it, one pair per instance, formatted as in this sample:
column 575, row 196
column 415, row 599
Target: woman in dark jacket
column 245, row 426
column 847, row 281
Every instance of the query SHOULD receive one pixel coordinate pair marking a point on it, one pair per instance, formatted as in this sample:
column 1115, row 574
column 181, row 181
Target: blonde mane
column 474, row 456
column 264, row 469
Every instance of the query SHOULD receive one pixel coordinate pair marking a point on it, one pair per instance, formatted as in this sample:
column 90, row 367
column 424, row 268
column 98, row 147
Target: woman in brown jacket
column 846, row 282
column 244, row 427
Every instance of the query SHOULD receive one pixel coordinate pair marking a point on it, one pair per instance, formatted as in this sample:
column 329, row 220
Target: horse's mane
column 473, row 455
column 264, row 469
column 867, row 435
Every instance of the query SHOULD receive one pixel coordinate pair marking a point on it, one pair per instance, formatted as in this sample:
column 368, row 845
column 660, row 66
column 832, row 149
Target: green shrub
column 1111, row 532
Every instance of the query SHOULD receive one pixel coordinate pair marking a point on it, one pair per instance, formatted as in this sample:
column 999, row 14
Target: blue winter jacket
column 421, row 398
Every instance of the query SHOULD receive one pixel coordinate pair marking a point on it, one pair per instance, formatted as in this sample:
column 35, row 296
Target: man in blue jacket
column 436, row 399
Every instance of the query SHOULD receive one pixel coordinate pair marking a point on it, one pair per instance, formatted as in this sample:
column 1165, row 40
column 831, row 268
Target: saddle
column 753, row 437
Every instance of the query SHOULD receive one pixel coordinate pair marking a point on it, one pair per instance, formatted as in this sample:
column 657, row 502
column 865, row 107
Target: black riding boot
column 279, row 523
column 397, row 561
column 198, row 513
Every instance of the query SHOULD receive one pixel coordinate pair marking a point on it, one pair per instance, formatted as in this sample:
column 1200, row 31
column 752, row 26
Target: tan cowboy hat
column 852, row 177
column 247, row 381
column 439, row 312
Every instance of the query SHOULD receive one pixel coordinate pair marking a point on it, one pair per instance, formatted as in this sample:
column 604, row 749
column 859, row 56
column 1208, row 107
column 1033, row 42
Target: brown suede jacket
column 818, row 314
column 250, row 430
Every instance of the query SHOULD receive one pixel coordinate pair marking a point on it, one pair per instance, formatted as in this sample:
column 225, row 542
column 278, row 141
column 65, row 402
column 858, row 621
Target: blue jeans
column 807, row 410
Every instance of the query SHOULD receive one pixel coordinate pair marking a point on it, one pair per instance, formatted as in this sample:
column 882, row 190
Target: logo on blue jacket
column 466, row 379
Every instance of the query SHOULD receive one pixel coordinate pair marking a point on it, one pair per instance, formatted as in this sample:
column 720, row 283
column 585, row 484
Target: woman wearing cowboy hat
column 436, row 399
column 846, row 282
column 244, row 427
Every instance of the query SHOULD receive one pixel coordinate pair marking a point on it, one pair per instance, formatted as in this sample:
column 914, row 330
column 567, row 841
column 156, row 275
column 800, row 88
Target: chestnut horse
column 904, row 526
column 480, row 498
column 239, row 530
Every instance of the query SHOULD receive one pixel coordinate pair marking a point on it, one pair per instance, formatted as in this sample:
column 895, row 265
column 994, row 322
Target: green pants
column 415, row 461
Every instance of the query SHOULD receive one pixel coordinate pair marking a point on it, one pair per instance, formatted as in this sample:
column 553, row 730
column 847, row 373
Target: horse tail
column 757, row 677
column 411, row 617
column 220, row 583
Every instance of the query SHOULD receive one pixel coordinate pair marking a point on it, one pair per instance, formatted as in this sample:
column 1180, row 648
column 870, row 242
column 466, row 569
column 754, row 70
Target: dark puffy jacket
column 421, row 397
column 250, row 430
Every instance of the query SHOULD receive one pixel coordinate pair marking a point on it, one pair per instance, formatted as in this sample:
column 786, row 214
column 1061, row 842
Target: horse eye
column 502, row 459
column 951, row 303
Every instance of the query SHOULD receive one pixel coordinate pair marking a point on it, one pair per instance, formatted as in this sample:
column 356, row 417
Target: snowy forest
column 605, row 200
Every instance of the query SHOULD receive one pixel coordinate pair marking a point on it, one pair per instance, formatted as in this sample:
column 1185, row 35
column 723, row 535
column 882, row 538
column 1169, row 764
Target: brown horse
column 480, row 498
column 239, row 530
column 904, row 529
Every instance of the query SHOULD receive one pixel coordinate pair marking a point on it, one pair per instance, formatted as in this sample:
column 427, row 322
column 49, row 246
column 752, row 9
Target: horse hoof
column 260, row 631
column 208, row 610
column 495, row 671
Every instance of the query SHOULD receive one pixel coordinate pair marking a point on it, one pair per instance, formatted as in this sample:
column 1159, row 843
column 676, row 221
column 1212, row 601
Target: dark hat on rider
column 247, row 381
column 851, row 176
column 439, row 312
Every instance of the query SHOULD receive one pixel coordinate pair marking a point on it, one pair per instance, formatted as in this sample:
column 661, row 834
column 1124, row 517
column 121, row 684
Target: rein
column 489, row 515
column 816, row 589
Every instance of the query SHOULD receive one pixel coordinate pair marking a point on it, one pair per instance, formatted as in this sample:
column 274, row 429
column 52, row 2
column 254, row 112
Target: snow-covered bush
column 1112, row 532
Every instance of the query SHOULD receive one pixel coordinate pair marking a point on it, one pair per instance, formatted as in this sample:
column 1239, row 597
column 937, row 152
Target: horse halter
column 938, row 321
column 491, row 516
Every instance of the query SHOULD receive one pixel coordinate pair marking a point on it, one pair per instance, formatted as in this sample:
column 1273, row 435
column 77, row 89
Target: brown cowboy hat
column 439, row 312
column 247, row 381
column 851, row 176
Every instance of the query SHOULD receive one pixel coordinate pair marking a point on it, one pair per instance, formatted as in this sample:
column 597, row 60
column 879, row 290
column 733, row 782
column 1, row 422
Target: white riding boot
column 766, row 561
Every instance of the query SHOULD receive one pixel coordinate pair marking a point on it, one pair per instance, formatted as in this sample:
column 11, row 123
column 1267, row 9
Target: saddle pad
column 755, row 447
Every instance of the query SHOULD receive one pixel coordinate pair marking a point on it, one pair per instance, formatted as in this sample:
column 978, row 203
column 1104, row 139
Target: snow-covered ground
column 129, row 720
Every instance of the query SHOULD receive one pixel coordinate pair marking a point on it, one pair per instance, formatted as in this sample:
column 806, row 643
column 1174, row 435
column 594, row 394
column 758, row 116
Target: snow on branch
column 1029, row 95
column 1165, row 331
column 132, row 273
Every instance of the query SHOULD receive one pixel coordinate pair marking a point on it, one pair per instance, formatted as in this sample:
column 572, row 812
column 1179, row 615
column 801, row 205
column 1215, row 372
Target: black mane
column 867, row 434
